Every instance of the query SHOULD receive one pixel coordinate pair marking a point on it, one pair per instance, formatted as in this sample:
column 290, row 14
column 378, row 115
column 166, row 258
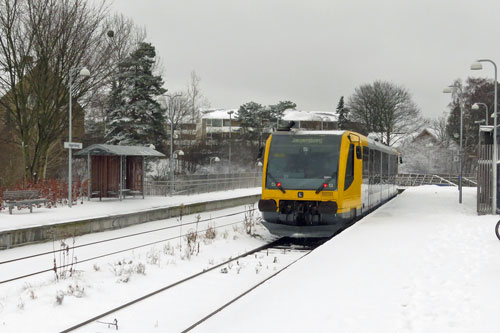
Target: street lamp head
column 180, row 153
column 84, row 72
column 447, row 90
column 216, row 159
column 475, row 106
column 475, row 66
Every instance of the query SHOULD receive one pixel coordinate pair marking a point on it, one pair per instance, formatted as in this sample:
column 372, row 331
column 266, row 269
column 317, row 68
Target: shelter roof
column 102, row 149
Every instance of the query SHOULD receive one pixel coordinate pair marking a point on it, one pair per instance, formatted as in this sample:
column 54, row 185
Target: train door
column 365, row 186
column 353, row 177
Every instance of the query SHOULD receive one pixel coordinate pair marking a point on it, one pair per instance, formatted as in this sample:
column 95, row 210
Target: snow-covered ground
column 43, row 304
column 95, row 208
column 421, row 263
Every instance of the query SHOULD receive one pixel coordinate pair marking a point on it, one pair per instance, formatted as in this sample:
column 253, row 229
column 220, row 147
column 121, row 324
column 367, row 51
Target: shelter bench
column 134, row 193
column 95, row 194
column 125, row 193
column 22, row 198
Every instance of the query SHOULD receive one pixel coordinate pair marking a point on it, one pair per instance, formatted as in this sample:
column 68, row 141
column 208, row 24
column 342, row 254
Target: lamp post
column 475, row 106
column 214, row 159
column 478, row 66
column 84, row 72
column 448, row 90
column 230, row 141
column 171, row 114
column 174, row 157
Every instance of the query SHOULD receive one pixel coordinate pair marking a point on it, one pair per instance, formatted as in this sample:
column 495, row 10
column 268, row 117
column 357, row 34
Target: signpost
column 73, row 145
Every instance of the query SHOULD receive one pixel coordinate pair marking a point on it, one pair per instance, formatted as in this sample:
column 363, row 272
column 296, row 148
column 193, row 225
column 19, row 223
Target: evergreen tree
column 343, row 114
column 251, row 117
column 276, row 111
column 134, row 115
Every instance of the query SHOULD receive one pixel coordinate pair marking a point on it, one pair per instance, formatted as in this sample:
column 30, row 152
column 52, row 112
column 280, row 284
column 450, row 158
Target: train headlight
column 327, row 207
column 267, row 205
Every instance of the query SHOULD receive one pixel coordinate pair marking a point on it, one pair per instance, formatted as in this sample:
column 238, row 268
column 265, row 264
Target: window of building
column 216, row 122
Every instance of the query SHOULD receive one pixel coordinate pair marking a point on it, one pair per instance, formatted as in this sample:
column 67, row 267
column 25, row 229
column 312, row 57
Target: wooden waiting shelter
column 116, row 171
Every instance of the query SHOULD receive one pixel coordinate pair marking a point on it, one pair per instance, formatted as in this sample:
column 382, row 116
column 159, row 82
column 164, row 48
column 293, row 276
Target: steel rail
column 243, row 294
column 111, row 253
column 88, row 321
column 119, row 237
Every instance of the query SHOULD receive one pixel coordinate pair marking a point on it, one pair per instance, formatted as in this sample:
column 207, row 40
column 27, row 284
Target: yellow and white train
column 317, row 183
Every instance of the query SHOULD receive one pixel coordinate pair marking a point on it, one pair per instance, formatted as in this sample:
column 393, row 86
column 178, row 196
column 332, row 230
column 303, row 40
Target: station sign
column 73, row 145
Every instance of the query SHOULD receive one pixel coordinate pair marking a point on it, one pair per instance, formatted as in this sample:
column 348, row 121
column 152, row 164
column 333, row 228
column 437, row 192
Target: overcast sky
column 313, row 52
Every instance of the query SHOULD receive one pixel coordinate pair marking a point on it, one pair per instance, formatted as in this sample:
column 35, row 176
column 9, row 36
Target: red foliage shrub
column 55, row 190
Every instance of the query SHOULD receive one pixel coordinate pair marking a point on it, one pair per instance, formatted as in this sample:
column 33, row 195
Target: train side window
column 349, row 170
column 366, row 162
column 376, row 167
column 385, row 167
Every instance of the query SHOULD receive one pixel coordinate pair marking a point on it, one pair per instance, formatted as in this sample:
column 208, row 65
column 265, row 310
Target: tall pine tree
column 343, row 114
column 134, row 115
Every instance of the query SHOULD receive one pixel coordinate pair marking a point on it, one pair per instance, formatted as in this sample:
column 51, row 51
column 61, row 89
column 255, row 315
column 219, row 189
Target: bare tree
column 440, row 129
column 41, row 41
column 177, row 110
column 385, row 108
column 195, row 98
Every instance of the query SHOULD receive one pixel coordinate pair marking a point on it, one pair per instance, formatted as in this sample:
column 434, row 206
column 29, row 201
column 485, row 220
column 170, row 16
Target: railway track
column 282, row 244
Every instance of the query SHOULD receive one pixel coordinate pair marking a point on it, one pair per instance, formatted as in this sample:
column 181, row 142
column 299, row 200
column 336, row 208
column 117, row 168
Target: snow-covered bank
column 95, row 208
column 421, row 263
column 42, row 303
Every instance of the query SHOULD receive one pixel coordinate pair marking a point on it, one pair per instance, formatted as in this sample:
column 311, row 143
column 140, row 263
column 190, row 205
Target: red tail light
column 325, row 185
column 278, row 184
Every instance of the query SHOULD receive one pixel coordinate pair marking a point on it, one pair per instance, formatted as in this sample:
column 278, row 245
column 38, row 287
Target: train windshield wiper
column 278, row 184
column 325, row 182
column 322, row 187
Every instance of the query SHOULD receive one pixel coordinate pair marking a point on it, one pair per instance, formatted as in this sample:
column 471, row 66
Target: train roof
column 371, row 142
column 302, row 132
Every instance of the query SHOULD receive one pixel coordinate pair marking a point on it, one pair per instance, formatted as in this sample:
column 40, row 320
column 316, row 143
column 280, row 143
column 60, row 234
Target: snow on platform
column 420, row 263
column 95, row 208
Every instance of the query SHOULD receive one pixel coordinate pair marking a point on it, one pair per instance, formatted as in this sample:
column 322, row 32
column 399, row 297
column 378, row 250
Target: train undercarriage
column 303, row 218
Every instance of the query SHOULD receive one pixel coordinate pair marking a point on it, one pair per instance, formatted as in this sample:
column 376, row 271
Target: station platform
column 44, row 224
column 420, row 263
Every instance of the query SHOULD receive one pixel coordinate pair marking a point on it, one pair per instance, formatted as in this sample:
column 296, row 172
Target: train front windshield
column 303, row 162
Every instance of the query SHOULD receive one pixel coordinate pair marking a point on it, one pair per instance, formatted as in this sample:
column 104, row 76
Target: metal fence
column 416, row 179
column 484, row 172
column 194, row 184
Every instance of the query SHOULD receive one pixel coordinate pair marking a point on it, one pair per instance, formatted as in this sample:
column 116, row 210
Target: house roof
column 309, row 115
column 288, row 114
column 219, row 113
column 102, row 149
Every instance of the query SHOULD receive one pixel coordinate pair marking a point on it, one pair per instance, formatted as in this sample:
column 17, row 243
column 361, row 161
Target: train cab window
column 303, row 162
column 349, row 170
